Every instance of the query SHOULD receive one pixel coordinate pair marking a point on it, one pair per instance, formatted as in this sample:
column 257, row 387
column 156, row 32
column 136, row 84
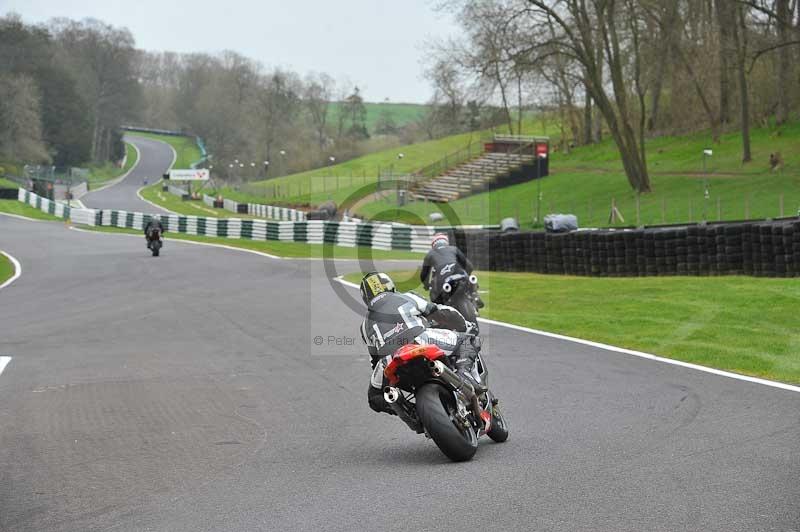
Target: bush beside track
column 739, row 324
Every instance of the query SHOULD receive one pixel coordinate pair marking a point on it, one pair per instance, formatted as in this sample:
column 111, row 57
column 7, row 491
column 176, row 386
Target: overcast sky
column 378, row 44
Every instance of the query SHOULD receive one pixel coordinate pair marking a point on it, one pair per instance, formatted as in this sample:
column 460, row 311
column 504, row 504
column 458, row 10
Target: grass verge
column 585, row 181
column 741, row 324
column 5, row 183
column 23, row 209
column 6, row 269
column 99, row 175
column 186, row 149
column 281, row 249
column 173, row 203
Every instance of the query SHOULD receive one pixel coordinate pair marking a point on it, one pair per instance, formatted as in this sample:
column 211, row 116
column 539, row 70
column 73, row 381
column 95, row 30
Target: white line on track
column 182, row 241
column 20, row 217
column 3, row 363
column 139, row 194
column 174, row 158
column 17, row 270
column 123, row 176
column 640, row 354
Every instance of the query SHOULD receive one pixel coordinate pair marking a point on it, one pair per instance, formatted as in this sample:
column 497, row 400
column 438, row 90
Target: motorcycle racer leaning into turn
column 394, row 319
column 442, row 260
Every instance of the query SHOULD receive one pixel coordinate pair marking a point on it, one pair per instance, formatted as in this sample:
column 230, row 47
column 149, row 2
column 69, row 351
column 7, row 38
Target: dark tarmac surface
column 187, row 393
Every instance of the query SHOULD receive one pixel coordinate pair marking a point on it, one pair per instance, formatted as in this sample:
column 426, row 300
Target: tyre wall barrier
column 768, row 248
column 757, row 248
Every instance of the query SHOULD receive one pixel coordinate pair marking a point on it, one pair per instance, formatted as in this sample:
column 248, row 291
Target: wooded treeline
column 64, row 90
column 633, row 68
column 67, row 86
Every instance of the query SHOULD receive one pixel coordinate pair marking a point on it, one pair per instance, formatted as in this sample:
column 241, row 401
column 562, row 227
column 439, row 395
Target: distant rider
column 442, row 261
column 394, row 320
column 153, row 224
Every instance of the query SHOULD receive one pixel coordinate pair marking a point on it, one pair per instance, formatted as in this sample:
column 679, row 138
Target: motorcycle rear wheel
column 437, row 410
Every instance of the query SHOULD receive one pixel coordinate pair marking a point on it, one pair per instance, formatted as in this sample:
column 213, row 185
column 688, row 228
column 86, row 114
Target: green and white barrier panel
column 275, row 213
column 387, row 236
column 43, row 204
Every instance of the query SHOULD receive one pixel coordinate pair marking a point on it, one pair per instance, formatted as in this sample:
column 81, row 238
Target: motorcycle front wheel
column 499, row 430
column 437, row 411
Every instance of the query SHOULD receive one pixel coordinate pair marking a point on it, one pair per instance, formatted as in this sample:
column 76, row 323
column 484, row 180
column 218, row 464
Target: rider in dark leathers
column 151, row 225
column 442, row 260
column 394, row 320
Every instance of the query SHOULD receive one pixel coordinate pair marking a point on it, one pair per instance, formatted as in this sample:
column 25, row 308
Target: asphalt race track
column 155, row 158
column 187, row 393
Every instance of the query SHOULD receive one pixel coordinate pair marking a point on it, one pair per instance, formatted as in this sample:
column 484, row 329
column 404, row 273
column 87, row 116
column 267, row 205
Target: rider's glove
column 430, row 308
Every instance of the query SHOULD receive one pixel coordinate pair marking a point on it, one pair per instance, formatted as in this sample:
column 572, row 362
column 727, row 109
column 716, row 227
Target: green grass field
column 340, row 180
column 186, row 149
column 22, row 209
column 740, row 324
column 98, row 175
column 281, row 249
column 401, row 113
column 586, row 181
column 5, row 183
column 6, row 269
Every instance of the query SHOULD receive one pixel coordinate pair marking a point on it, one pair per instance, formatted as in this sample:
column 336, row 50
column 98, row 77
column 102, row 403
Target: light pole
column 539, row 160
column 282, row 169
column 706, row 153
column 266, row 168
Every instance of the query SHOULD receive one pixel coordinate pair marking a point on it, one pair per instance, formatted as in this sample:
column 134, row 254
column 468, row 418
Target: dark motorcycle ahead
column 430, row 397
column 460, row 291
column 154, row 242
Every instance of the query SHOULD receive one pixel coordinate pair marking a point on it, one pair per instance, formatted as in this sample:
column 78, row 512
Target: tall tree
column 20, row 122
column 582, row 28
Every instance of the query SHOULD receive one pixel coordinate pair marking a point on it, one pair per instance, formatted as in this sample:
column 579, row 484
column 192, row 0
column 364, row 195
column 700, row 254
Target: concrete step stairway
column 471, row 177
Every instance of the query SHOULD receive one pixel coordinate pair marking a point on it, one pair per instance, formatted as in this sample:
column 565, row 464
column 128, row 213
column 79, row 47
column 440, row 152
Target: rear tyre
column 437, row 411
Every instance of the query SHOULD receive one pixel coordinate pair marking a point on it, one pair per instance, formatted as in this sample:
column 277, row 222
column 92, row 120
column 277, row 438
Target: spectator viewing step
column 508, row 160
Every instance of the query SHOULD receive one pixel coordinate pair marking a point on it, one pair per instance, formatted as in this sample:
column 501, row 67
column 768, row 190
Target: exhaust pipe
column 473, row 279
column 447, row 288
column 455, row 380
column 391, row 394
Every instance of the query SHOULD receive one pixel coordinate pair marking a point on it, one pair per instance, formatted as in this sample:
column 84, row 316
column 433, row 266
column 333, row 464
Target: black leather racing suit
column 152, row 225
column 394, row 320
column 439, row 263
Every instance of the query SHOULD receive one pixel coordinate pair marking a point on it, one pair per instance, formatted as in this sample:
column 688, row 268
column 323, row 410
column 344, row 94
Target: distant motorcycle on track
column 154, row 242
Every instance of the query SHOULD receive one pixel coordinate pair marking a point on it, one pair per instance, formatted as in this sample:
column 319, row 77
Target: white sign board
column 188, row 175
